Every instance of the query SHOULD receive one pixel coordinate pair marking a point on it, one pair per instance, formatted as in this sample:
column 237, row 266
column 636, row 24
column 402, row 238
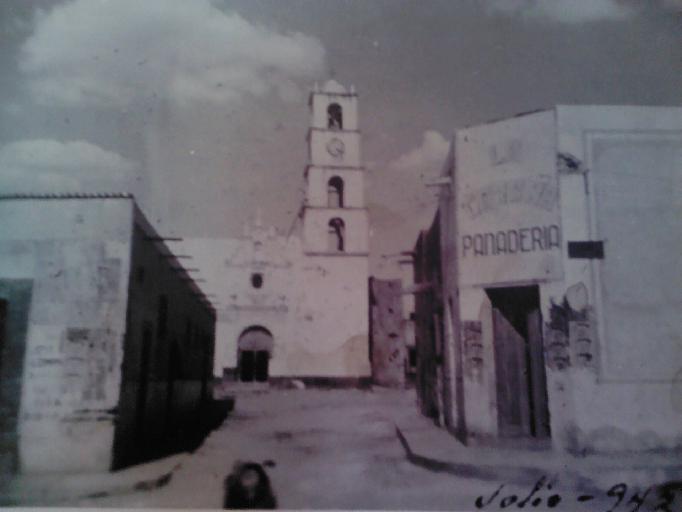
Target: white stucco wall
column 633, row 162
column 77, row 253
column 508, row 214
column 332, row 320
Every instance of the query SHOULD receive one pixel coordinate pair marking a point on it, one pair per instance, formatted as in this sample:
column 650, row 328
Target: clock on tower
column 336, row 148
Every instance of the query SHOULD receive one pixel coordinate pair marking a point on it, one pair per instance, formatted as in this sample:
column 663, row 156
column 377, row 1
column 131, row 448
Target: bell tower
column 335, row 219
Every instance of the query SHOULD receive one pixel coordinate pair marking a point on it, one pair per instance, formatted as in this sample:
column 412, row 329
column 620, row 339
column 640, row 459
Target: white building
column 105, row 340
column 297, row 305
column 560, row 242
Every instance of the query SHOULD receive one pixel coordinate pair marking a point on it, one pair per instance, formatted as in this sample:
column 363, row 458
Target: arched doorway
column 253, row 353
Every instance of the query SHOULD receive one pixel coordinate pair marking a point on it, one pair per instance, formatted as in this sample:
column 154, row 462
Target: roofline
column 568, row 105
column 67, row 195
column 502, row 119
column 140, row 220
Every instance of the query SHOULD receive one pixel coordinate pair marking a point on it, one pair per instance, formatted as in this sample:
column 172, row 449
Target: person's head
column 252, row 477
column 248, row 486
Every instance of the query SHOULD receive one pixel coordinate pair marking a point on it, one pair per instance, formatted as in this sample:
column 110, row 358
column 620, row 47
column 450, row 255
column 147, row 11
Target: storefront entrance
column 255, row 346
column 522, row 408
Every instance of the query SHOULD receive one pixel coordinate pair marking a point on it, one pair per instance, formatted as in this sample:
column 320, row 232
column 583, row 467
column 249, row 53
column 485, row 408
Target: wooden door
column 512, row 378
column 261, row 365
column 539, row 405
column 246, row 364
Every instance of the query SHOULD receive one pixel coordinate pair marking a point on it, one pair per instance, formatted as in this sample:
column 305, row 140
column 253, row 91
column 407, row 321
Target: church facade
column 296, row 305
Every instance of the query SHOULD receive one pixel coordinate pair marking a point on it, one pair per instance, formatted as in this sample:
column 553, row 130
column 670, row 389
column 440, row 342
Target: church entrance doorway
column 254, row 350
column 521, row 383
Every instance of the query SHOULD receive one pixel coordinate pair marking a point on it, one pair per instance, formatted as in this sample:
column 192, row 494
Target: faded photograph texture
column 341, row 254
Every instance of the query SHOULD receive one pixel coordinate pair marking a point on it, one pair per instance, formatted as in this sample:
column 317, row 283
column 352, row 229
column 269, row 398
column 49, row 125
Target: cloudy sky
column 199, row 107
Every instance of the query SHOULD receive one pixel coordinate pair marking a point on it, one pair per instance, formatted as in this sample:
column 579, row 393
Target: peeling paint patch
column 570, row 336
column 108, row 279
column 472, row 334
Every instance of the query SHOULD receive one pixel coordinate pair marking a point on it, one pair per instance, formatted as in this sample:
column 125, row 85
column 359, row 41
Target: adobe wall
column 387, row 337
column 430, row 377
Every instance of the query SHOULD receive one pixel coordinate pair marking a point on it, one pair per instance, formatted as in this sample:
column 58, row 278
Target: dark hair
column 236, row 496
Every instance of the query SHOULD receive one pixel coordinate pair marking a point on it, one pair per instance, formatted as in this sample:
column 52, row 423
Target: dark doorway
column 253, row 365
column 519, row 362
column 261, row 365
column 246, row 365
column 254, row 348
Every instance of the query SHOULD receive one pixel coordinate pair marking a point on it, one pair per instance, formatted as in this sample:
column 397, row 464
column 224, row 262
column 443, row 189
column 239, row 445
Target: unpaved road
column 332, row 449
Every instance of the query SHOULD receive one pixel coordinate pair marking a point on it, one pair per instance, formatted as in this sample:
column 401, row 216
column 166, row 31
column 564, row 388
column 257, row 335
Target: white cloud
column 432, row 152
column 402, row 204
column 109, row 53
column 564, row 11
column 46, row 165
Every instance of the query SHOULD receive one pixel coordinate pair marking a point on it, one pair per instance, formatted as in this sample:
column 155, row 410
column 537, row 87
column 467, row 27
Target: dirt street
column 331, row 449
column 336, row 449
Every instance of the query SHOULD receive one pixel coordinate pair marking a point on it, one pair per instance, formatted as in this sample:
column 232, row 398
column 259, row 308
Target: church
column 295, row 305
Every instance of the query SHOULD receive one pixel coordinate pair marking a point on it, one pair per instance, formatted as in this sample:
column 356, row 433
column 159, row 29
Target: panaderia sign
column 509, row 227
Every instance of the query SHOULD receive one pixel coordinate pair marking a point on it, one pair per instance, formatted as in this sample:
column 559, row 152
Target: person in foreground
column 248, row 487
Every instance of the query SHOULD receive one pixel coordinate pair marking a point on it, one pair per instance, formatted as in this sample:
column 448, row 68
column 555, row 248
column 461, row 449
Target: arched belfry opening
column 254, row 349
column 335, row 192
column 334, row 117
column 336, row 235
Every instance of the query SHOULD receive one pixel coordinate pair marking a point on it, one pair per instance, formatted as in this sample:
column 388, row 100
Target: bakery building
column 554, row 310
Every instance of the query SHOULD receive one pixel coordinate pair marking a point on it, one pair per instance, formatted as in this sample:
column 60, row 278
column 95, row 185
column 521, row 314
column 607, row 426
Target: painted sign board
column 508, row 227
